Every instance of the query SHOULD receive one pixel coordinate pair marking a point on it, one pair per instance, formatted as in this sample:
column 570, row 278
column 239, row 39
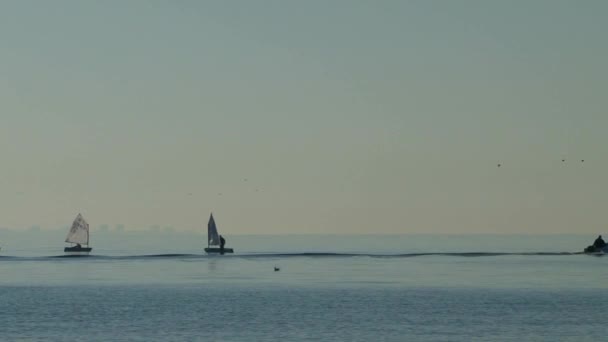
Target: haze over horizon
column 305, row 116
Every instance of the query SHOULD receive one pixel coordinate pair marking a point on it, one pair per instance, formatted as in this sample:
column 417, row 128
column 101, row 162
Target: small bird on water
column 276, row 269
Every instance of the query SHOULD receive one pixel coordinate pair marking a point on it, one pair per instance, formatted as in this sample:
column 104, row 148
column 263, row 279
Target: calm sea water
column 160, row 287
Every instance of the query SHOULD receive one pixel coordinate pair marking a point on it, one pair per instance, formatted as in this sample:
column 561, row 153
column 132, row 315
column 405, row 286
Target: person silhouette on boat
column 222, row 243
column 599, row 242
column 78, row 246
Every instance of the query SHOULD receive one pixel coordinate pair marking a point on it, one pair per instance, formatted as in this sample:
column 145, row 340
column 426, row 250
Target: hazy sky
column 305, row 116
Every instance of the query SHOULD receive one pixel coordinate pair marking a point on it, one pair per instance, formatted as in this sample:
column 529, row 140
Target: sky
column 376, row 117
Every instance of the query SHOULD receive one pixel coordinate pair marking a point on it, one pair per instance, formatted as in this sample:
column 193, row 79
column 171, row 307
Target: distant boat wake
column 279, row 255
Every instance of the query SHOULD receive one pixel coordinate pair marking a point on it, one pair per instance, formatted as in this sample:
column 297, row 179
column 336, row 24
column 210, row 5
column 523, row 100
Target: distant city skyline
column 289, row 117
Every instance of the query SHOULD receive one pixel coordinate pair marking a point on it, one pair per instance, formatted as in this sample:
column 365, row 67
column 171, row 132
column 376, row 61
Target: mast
column 87, row 229
column 208, row 232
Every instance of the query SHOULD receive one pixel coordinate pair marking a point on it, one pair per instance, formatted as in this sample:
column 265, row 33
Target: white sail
column 79, row 233
column 212, row 235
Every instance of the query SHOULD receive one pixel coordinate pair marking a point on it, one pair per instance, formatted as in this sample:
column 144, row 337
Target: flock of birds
column 220, row 194
column 563, row 161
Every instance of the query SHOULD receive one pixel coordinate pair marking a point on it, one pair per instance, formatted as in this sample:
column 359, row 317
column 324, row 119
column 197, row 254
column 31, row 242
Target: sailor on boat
column 214, row 239
column 599, row 242
column 78, row 235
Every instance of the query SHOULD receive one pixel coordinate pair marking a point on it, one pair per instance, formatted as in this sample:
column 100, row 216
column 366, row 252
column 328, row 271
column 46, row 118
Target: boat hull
column 78, row 249
column 217, row 250
column 594, row 250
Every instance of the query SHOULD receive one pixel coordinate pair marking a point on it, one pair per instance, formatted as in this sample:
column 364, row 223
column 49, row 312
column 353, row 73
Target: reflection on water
column 212, row 265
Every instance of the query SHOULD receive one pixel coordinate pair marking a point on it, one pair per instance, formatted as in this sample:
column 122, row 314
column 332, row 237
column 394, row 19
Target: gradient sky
column 305, row 116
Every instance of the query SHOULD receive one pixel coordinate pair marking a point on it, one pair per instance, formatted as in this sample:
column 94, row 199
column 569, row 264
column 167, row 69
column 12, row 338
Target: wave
column 408, row 255
column 278, row 255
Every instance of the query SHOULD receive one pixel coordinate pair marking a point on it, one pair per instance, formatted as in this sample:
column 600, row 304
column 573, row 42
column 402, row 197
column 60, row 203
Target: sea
column 160, row 286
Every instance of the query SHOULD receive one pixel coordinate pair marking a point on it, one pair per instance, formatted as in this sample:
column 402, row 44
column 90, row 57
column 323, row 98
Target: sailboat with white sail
column 214, row 239
column 78, row 236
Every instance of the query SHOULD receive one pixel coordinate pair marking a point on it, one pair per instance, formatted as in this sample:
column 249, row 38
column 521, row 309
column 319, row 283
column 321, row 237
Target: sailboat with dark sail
column 214, row 239
column 78, row 236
